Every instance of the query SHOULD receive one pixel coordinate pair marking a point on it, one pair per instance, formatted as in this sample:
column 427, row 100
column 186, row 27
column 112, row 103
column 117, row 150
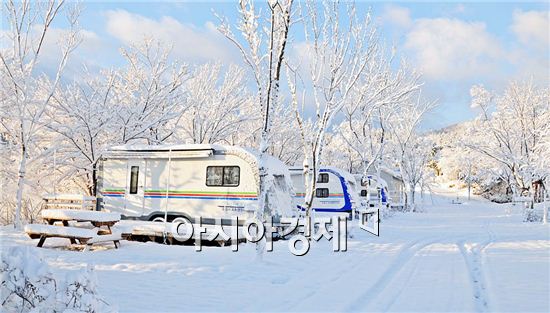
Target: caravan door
column 134, row 186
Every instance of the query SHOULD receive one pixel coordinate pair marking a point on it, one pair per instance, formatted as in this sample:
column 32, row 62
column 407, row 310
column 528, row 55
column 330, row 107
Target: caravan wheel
column 158, row 219
column 181, row 219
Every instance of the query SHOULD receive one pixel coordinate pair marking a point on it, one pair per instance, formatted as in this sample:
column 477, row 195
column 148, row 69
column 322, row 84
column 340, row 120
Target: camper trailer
column 371, row 193
column 335, row 190
column 187, row 181
column 388, row 191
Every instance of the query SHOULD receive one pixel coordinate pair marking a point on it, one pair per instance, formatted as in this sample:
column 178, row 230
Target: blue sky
column 454, row 44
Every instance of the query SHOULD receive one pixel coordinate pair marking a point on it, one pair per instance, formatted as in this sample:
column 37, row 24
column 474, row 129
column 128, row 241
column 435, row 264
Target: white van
column 186, row 181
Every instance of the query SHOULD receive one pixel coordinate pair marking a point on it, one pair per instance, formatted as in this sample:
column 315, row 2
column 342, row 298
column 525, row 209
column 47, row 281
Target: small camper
column 335, row 190
column 187, row 181
column 389, row 190
column 370, row 192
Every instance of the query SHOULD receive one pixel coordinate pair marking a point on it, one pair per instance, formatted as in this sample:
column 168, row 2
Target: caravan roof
column 182, row 151
column 345, row 174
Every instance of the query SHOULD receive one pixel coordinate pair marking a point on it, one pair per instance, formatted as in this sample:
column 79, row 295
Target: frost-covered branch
column 28, row 94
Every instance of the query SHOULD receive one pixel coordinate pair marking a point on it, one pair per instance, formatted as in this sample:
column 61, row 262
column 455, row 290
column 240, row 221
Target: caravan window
column 218, row 176
column 322, row 178
column 363, row 193
column 134, row 174
column 231, row 175
column 321, row 193
column 214, row 176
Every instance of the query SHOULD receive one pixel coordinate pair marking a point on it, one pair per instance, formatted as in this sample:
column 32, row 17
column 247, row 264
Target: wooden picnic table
column 101, row 221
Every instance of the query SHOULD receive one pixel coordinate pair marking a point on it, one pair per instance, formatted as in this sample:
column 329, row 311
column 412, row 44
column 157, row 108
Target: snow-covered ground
column 475, row 256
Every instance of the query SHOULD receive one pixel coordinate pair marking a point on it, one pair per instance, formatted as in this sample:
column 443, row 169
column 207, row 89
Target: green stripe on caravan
column 203, row 192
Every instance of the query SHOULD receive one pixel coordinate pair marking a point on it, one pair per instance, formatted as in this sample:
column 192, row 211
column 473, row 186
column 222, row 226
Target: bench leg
column 41, row 241
column 66, row 224
column 117, row 243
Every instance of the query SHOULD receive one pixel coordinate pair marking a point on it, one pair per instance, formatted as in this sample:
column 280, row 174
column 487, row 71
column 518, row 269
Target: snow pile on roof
column 275, row 166
column 392, row 172
column 382, row 183
column 347, row 175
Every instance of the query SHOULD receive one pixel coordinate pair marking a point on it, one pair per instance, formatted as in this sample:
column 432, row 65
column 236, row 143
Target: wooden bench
column 96, row 218
column 43, row 231
column 69, row 201
column 76, row 217
column 84, row 236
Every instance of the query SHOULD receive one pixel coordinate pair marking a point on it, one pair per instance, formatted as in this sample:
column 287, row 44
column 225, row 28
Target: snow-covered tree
column 543, row 165
column 338, row 49
column 218, row 104
column 375, row 104
column 285, row 137
column 26, row 94
column 511, row 127
column 149, row 94
column 262, row 43
column 141, row 102
column 81, row 118
column 339, row 153
column 411, row 151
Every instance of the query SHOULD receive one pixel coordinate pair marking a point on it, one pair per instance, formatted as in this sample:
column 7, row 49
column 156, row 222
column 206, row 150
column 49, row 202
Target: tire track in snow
column 472, row 257
column 394, row 269
column 327, row 285
column 412, row 270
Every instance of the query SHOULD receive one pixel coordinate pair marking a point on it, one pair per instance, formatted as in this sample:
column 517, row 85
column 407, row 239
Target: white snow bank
column 467, row 258
column 80, row 215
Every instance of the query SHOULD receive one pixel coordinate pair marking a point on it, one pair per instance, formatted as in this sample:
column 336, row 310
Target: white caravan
column 335, row 190
column 389, row 191
column 187, row 181
column 371, row 192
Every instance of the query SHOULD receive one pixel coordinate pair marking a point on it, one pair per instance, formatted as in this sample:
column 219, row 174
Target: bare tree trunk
column 545, row 196
column 469, row 180
column 20, row 186
column 310, row 178
column 263, row 201
column 412, row 197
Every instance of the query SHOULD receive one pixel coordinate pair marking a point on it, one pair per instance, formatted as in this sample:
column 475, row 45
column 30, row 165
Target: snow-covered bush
column 534, row 214
column 28, row 285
